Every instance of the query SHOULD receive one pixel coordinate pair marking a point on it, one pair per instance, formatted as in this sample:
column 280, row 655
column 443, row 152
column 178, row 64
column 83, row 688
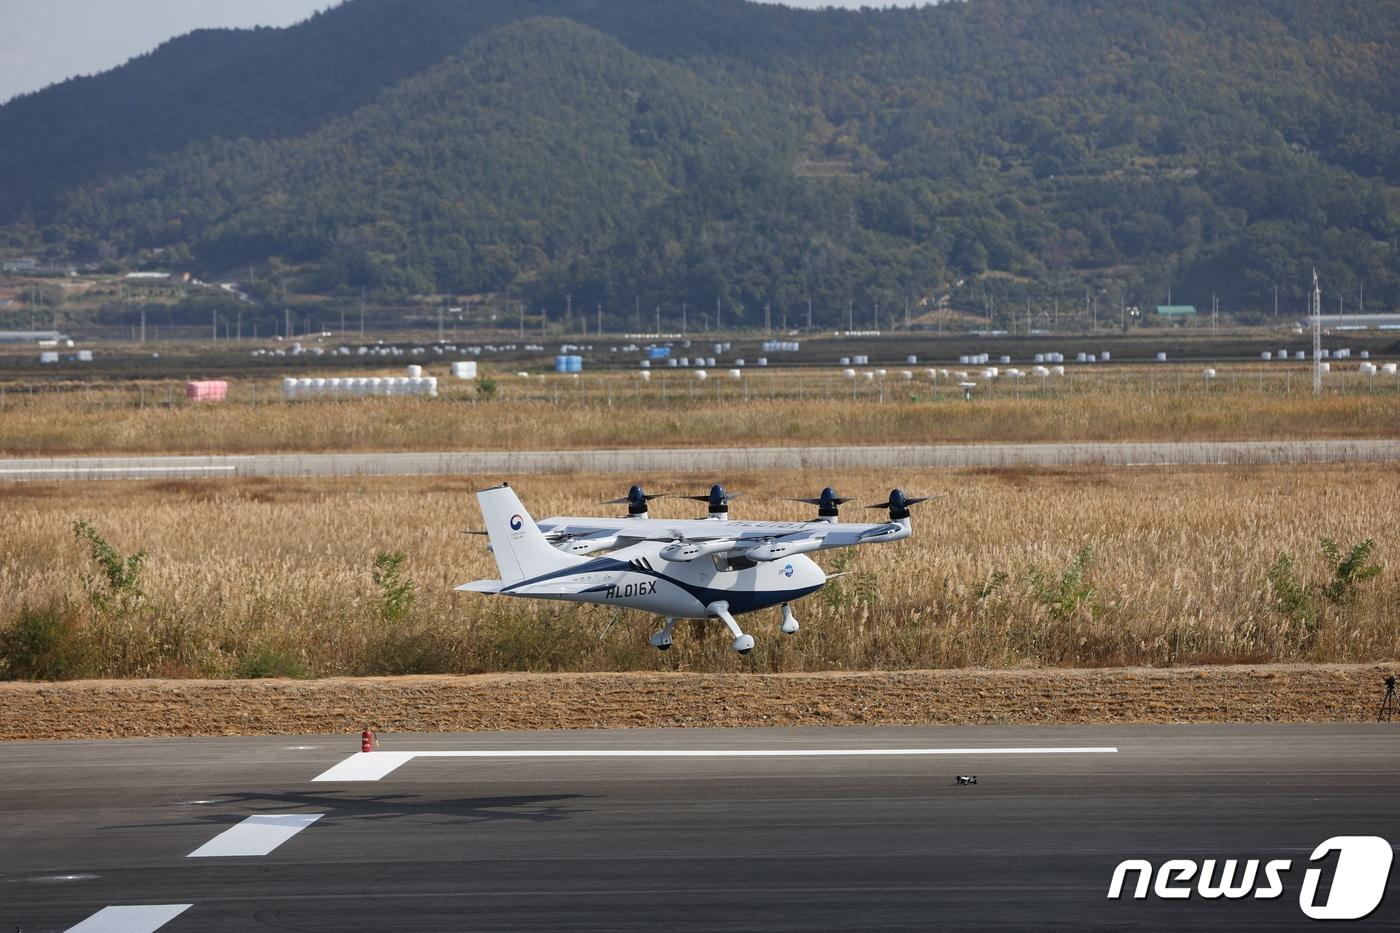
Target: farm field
column 1012, row 569
column 671, row 408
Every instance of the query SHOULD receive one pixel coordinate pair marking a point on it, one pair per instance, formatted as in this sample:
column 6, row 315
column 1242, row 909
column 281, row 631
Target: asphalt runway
column 712, row 460
column 156, row 834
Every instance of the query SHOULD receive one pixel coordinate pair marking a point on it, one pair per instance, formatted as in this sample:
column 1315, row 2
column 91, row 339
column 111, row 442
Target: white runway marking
column 257, row 835
column 143, row 919
column 372, row 766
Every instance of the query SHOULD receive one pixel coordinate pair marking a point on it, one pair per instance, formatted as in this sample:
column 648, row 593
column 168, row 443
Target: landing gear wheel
column 661, row 640
column 742, row 643
column 790, row 625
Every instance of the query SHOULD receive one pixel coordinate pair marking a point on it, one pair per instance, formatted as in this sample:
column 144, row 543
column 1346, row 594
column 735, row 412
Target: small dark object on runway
column 967, row 779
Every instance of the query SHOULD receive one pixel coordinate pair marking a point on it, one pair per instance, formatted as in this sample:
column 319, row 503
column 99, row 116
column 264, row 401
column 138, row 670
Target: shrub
column 1292, row 598
column 270, row 662
column 120, row 580
column 395, row 592
column 1348, row 572
column 45, row 644
column 1065, row 595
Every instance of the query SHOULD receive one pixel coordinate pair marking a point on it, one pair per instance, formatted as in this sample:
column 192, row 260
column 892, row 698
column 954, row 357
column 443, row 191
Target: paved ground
column 857, row 841
column 706, row 460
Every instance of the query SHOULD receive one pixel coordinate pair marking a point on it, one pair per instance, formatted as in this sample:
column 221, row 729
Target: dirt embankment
column 1273, row 693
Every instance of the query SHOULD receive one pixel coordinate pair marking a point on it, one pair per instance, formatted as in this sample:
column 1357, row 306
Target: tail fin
column 519, row 546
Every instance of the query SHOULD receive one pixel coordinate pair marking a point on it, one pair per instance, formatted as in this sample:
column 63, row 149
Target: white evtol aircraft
column 711, row 568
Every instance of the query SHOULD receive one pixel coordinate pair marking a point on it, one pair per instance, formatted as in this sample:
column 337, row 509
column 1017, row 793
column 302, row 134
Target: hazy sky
column 45, row 41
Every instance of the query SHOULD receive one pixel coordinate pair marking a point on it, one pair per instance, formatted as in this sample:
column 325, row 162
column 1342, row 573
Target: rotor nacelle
column 898, row 504
column 828, row 504
column 684, row 551
column 777, row 550
column 636, row 501
column 717, row 499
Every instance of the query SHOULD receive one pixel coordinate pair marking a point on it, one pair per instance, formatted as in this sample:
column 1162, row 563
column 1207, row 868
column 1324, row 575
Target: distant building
column 149, row 276
column 1176, row 311
column 32, row 336
column 28, row 266
column 1358, row 321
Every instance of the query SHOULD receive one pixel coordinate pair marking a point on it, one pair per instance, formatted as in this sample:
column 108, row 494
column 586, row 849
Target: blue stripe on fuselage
column 740, row 601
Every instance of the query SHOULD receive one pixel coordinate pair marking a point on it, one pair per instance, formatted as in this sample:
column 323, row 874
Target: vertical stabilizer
column 519, row 546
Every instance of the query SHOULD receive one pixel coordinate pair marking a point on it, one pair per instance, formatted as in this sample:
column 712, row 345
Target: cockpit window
column 730, row 564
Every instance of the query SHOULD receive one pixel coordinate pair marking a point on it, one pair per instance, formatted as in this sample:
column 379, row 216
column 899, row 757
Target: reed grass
column 251, row 577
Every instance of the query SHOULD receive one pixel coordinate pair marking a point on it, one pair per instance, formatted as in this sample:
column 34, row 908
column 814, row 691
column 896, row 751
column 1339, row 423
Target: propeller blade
column 839, row 500
column 907, row 502
column 625, row 500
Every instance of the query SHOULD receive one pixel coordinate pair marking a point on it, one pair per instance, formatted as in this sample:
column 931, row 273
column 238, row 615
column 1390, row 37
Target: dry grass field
column 613, row 410
column 1024, row 568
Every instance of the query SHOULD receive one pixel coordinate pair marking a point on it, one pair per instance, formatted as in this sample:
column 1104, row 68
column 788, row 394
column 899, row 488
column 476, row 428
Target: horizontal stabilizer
column 482, row 586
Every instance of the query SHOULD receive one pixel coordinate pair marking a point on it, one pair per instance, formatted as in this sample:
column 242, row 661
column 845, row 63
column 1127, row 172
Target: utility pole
column 521, row 309
column 684, row 322
column 906, row 310
column 569, row 314
column 362, row 310
column 719, row 313
column 143, row 327
column 240, row 326
column 286, row 322
column 1275, row 301
column 1315, row 304
column 658, row 320
column 214, row 316
column 600, row 319
column 850, row 315
column 767, row 319
column 809, row 315
column 439, row 323
column 637, row 314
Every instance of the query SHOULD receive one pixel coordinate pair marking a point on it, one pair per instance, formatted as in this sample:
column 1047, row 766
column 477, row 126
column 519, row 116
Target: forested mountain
column 689, row 150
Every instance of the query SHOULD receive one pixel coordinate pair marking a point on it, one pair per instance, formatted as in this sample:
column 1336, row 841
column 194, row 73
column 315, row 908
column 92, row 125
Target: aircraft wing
column 745, row 534
column 660, row 529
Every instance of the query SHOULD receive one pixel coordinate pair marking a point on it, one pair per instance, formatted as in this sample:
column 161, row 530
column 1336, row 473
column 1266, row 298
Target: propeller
column 898, row 504
column 636, row 500
column 828, row 503
column 717, row 498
